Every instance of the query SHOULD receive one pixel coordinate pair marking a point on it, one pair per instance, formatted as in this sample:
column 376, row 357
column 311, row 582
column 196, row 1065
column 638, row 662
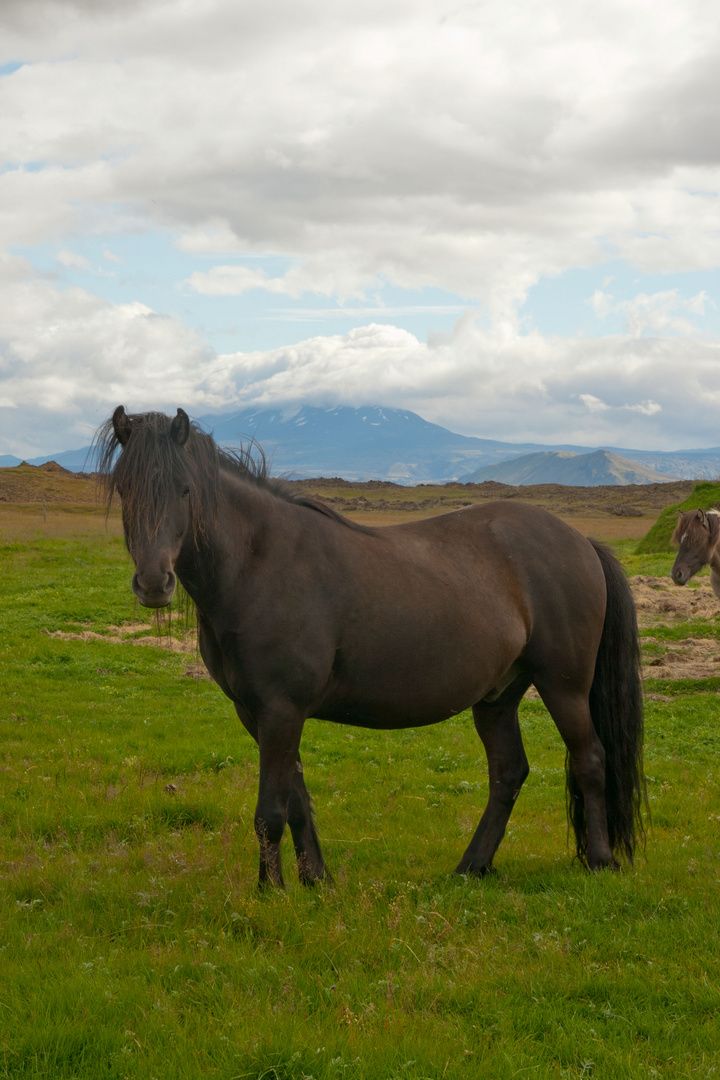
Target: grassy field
column 133, row 941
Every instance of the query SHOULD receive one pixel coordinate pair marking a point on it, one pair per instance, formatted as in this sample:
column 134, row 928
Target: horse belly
column 401, row 687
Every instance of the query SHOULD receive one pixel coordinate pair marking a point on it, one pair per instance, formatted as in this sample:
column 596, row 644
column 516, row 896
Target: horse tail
column 616, row 708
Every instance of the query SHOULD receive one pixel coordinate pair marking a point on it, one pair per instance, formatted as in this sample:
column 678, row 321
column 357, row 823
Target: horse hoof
column 475, row 871
column 268, row 884
column 595, row 868
column 311, row 880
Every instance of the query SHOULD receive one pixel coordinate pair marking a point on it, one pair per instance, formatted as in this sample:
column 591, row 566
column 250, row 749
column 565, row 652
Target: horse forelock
column 150, row 465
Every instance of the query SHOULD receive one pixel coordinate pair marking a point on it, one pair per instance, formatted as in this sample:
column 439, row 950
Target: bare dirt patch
column 660, row 603
column 691, row 658
column 137, row 634
column 132, row 634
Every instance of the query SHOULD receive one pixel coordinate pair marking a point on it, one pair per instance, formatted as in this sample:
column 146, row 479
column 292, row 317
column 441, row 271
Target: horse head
column 153, row 477
column 697, row 532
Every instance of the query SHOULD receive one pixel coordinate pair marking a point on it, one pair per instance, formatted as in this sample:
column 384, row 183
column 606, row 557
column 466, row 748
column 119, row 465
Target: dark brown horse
column 303, row 613
column 698, row 534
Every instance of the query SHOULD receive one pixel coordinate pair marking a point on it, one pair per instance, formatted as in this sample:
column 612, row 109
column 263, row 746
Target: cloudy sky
column 505, row 217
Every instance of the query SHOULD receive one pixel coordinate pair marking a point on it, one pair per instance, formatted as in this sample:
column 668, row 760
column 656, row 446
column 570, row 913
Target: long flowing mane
column 151, row 461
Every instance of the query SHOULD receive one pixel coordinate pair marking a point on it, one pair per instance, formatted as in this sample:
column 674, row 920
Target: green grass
column 703, row 496
column 134, row 943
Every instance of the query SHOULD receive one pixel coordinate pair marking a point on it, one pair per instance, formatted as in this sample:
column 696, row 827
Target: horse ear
column 701, row 517
column 121, row 425
column 180, row 428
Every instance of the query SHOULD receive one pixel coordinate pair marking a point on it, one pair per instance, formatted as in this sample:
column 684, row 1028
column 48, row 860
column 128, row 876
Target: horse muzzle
column 154, row 590
column 680, row 575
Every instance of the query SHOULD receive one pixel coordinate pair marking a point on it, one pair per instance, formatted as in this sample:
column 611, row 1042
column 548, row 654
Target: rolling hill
column 565, row 467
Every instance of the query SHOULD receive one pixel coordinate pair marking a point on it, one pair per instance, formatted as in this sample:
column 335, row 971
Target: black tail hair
column 616, row 707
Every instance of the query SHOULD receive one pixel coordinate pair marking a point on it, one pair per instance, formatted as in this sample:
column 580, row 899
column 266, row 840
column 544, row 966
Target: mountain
column 396, row 444
column 564, row 467
column 73, row 460
column 389, row 444
column 359, row 444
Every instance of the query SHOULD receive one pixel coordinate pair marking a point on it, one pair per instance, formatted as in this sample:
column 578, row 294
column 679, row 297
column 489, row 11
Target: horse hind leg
column 496, row 722
column 586, row 760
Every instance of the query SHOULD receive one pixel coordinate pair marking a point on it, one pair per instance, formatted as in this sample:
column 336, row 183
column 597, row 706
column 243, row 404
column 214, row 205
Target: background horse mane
column 151, row 462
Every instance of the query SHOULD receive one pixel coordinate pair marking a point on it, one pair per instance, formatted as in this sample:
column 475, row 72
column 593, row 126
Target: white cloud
column 594, row 404
column 234, row 280
column 73, row 261
column 498, row 383
column 647, row 408
column 67, row 353
column 658, row 313
column 470, row 147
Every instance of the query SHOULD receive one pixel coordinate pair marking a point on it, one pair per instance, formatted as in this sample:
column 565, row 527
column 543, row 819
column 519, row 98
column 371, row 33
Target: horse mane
column 690, row 524
column 149, row 461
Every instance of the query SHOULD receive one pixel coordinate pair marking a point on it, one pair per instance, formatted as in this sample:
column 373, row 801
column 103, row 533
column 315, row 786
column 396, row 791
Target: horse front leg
column 310, row 862
column 278, row 733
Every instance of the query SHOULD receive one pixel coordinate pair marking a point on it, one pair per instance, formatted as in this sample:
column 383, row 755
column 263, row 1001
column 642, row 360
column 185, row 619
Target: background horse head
column 697, row 532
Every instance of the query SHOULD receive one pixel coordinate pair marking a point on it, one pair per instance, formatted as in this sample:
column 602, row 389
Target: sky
column 505, row 217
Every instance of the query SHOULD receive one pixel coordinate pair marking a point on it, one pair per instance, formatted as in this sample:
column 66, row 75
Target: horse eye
column 185, row 493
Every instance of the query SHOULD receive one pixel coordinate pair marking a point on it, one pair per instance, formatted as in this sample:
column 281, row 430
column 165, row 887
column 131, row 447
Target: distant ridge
column 378, row 443
column 601, row 467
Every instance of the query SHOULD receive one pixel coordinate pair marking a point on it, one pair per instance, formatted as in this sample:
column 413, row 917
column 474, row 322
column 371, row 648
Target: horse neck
column 227, row 539
column 713, row 554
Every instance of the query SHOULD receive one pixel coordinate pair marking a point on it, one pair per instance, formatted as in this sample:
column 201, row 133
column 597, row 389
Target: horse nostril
column 154, row 588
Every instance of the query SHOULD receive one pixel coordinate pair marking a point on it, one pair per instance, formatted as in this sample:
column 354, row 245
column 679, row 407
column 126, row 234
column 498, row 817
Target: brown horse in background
column 698, row 533
column 302, row 613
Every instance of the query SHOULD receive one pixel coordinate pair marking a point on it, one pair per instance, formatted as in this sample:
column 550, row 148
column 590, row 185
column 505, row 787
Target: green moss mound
column 703, row 496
